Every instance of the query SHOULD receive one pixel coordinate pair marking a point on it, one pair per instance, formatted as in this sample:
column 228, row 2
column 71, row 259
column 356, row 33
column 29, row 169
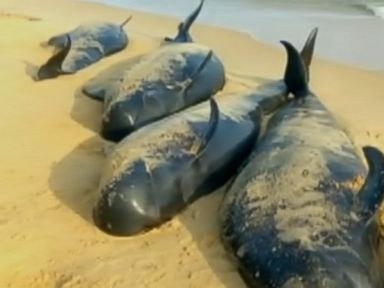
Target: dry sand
column 51, row 156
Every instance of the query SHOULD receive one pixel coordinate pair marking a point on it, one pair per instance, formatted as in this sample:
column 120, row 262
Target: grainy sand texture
column 51, row 157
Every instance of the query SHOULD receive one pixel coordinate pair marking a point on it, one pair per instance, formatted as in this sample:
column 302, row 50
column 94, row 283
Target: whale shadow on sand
column 75, row 178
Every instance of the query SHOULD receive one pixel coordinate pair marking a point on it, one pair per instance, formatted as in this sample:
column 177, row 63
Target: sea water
column 350, row 31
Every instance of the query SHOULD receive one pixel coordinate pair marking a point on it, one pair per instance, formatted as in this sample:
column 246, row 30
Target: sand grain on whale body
column 80, row 51
column 304, row 216
column 156, row 67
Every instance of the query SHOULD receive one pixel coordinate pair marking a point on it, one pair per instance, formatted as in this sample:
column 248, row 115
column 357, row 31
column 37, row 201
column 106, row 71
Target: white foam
column 343, row 24
column 377, row 9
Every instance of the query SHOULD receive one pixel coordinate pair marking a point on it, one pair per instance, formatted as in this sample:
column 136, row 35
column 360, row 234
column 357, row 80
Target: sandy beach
column 51, row 156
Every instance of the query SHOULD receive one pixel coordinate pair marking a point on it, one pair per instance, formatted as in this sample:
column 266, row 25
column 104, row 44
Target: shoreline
column 270, row 22
column 52, row 157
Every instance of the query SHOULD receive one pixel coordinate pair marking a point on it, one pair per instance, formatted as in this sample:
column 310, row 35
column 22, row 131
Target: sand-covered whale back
column 158, row 67
column 316, row 154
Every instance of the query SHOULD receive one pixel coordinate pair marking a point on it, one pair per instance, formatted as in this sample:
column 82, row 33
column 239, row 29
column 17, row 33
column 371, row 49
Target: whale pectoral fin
column 295, row 75
column 308, row 49
column 198, row 148
column 52, row 67
column 183, row 35
column 95, row 92
column 188, row 83
column 101, row 91
column 126, row 21
column 372, row 192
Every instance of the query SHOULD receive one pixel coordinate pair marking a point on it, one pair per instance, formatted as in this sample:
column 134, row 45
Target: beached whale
column 161, row 168
column 161, row 83
column 149, row 87
column 158, row 170
column 106, row 84
column 83, row 46
column 108, row 81
column 297, row 215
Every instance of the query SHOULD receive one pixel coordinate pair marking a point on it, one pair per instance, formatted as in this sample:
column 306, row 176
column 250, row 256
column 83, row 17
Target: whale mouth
column 126, row 206
column 119, row 219
column 115, row 135
column 117, row 123
column 114, row 130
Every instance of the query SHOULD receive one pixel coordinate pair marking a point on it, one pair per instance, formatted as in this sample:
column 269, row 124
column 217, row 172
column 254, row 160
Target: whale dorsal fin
column 295, row 75
column 199, row 147
column 308, row 49
column 372, row 192
column 183, row 35
column 126, row 21
column 52, row 68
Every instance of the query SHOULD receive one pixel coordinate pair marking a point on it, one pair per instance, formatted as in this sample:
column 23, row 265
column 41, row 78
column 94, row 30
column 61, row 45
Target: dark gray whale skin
column 296, row 215
column 160, row 169
column 104, row 84
column 82, row 47
column 159, row 84
column 150, row 87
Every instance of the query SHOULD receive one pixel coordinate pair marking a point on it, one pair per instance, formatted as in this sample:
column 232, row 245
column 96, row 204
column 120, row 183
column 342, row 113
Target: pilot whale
column 160, row 169
column 147, row 88
column 106, row 83
column 303, row 211
column 82, row 47
column 164, row 82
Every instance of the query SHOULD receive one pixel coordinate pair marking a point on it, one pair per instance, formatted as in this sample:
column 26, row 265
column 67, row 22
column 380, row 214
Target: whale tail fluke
column 53, row 67
column 296, row 75
column 183, row 35
column 126, row 21
column 308, row 50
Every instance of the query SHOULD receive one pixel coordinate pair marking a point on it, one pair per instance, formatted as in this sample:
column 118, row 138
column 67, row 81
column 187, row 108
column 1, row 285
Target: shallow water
column 350, row 31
